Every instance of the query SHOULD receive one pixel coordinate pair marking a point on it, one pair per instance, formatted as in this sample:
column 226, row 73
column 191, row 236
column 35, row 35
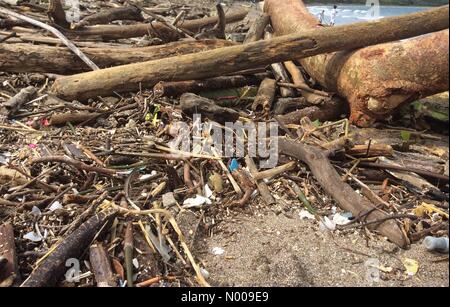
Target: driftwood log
column 171, row 89
column 288, row 105
column 340, row 191
column 299, row 80
column 280, row 73
column 329, row 111
column 57, row 14
column 13, row 105
column 154, row 29
column 256, row 31
column 231, row 59
column 109, row 15
column 192, row 104
column 49, row 272
column 101, row 266
column 59, row 60
column 9, row 273
column 266, row 94
column 377, row 79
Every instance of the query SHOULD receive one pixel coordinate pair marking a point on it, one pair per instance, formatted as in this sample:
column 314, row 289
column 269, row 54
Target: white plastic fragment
column 304, row 214
column 327, row 224
column 136, row 263
column 339, row 219
column 208, row 192
column 204, row 272
column 55, row 206
column 217, row 251
column 33, row 236
column 198, row 201
column 36, row 211
column 145, row 176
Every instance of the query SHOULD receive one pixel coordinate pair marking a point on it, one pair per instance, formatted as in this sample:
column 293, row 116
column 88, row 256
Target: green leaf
column 317, row 123
column 406, row 136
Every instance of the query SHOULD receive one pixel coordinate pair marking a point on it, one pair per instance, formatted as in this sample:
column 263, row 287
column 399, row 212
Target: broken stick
column 171, row 89
column 344, row 195
column 266, row 94
column 101, row 266
column 262, row 187
column 14, row 104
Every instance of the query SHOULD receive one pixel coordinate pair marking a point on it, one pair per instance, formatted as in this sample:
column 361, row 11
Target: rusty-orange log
column 377, row 79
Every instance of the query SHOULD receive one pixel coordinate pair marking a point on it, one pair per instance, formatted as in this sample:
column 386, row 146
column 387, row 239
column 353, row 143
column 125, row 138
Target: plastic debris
column 327, row 224
column 168, row 200
column 411, row 266
column 196, row 202
column 436, row 244
column 218, row 251
column 55, row 206
column 429, row 209
column 340, row 219
column 234, row 165
column 304, row 214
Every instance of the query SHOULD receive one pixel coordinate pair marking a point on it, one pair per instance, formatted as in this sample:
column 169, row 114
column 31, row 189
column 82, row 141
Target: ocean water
column 357, row 13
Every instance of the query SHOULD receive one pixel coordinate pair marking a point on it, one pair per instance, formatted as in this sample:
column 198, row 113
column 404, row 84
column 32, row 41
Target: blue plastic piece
column 234, row 165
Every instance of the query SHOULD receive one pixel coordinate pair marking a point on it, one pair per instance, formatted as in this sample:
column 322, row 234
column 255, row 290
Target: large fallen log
column 60, row 60
column 345, row 196
column 375, row 80
column 154, row 29
column 231, row 59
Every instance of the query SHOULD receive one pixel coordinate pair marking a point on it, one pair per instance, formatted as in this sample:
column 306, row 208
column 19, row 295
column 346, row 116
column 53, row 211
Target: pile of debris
column 114, row 115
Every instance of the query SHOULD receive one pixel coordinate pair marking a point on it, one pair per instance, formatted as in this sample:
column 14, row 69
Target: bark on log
column 262, row 186
column 256, row 31
column 59, row 60
column 49, row 272
column 101, row 266
column 172, row 89
column 298, row 79
column 157, row 29
column 377, row 79
column 9, row 273
column 193, row 104
column 266, row 94
column 346, row 197
column 371, row 150
column 9, row 23
column 57, row 13
column 287, row 105
column 107, row 16
column 231, row 59
column 329, row 111
column 10, row 107
column 73, row 118
column 280, row 73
